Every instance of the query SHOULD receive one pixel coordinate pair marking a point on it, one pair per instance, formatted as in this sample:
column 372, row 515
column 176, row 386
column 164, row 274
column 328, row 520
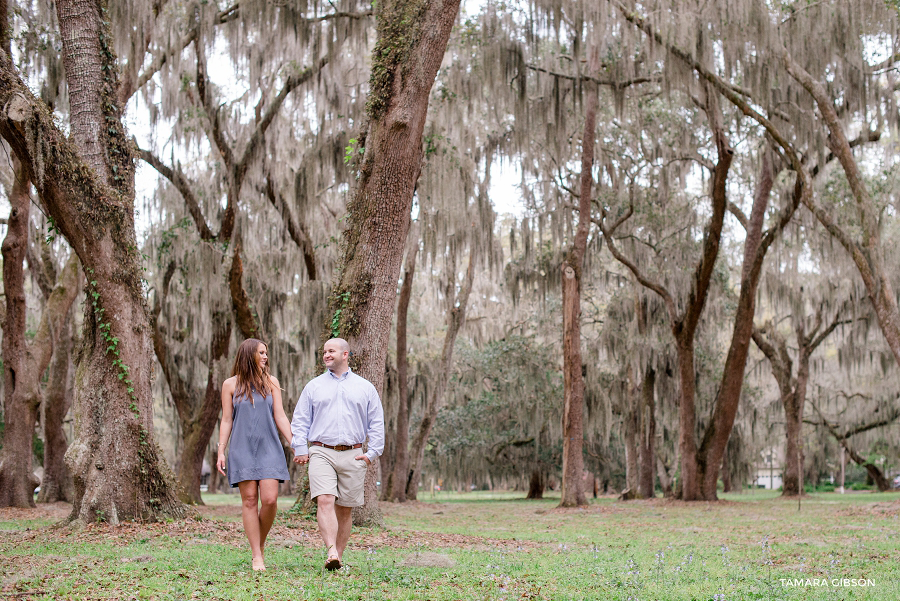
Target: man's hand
column 301, row 459
column 364, row 458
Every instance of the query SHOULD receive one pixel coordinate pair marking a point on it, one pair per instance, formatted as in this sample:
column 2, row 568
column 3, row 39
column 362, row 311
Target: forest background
column 695, row 287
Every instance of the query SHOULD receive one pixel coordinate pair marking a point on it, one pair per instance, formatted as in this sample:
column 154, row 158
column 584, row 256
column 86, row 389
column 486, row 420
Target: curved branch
column 613, row 83
column 183, row 186
column 633, row 268
column 253, row 145
column 296, row 229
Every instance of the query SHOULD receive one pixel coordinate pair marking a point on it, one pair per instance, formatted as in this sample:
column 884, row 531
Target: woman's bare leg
column 250, row 515
column 268, row 496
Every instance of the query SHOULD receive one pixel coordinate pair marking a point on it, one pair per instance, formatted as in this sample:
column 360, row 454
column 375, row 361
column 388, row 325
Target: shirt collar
column 343, row 377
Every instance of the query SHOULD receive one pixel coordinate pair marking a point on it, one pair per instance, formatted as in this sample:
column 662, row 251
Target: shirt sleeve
column 301, row 422
column 375, row 425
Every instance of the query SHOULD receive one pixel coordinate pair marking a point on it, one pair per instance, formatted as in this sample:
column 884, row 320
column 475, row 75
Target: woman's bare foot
column 258, row 564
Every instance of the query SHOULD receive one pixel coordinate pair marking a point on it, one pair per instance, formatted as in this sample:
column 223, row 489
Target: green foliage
column 52, row 230
column 37, row 448
column 504, row 404
column 344, row 299
column 399, row 27
column 112, row 342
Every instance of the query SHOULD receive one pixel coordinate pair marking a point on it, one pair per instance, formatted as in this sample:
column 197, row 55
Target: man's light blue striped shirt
column 338, row 410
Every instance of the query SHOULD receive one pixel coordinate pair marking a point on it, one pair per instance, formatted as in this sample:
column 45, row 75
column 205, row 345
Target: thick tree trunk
column 22, row 408
column 536, row 485
column 572, row 491
column 412, row 39
column 56, row 485
column 17, row 479
column 687, row 419
column 792, row 451
column 456, row 318
column 712, row 449
column 630, row 434
column 647, row 447
column 116, row 465
column 692, row 484
column 401, row 443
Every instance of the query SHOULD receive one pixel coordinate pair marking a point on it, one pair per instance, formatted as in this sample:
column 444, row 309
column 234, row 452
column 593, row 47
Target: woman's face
column 262, row 354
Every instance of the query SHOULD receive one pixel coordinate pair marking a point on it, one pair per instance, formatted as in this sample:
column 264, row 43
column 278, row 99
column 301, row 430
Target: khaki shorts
column 337, row 473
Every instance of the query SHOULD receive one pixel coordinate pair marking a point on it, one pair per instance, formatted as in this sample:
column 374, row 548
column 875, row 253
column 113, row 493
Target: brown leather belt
column 336, row 447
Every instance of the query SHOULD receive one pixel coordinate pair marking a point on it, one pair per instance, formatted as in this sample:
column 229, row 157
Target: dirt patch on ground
column 213, row 524
column 881, row 510
column 44, row 511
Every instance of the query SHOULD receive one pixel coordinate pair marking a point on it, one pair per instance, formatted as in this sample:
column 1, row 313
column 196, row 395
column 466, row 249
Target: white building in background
column 768, row 468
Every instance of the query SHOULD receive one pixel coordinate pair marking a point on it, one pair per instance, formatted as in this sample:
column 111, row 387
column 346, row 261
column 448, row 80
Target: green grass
column 480, row 546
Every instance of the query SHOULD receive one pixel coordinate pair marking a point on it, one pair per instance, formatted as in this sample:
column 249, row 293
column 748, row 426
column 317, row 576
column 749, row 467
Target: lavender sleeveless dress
column 254, row 449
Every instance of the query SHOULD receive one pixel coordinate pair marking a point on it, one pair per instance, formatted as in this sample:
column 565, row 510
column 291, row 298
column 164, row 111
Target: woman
column 252, row 416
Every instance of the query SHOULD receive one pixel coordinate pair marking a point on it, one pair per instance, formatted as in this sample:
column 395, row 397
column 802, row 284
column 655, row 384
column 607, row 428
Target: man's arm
column 375, row 426
column 301, row 422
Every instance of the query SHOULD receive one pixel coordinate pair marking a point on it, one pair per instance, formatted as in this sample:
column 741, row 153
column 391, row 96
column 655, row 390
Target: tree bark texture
column 56, row 485
column 116, row 465
column 536, row 484
column 572, row 490
column 25, row 362
column 630, row 429
column 412, row 37
column 17, row 479
column 401, row 443
column 647, row 441
column 712, row 449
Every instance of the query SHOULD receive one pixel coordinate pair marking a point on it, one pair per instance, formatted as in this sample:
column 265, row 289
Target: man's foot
column 258, row 564
column 333, row 562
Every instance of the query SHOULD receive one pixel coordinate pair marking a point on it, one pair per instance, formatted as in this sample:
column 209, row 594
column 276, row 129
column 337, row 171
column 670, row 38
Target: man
column 335, row 414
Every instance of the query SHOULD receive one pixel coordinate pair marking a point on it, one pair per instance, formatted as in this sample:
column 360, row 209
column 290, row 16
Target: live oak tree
column 86, row 183
column 412, row 38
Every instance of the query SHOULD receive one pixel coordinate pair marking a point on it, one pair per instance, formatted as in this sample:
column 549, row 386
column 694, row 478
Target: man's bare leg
column 344, row 526
column 328, row 524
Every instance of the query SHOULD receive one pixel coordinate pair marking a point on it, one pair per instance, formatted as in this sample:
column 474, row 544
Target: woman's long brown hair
column 250, row 374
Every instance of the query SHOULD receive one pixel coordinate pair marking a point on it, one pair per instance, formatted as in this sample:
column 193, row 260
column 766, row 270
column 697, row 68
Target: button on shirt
column 338, row 410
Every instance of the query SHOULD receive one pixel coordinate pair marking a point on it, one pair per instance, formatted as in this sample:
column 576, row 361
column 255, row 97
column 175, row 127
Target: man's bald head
column 341, row 343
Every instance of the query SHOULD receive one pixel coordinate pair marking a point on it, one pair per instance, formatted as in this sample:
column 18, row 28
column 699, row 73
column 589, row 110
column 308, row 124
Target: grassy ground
column 479, row 546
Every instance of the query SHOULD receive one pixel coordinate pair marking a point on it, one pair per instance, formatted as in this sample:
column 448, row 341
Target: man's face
column 334, row 357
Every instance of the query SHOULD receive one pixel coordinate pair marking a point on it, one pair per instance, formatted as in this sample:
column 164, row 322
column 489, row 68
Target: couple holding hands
column 336, row 413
